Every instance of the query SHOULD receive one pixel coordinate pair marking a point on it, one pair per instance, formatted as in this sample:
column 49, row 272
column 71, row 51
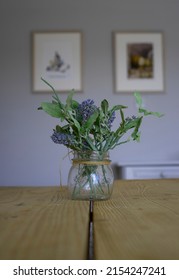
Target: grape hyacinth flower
column 62, row 138
column 128, row 119
column 86, row 109
column 111, row 119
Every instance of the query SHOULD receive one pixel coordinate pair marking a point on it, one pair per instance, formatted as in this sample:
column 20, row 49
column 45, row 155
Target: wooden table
column 140, row 221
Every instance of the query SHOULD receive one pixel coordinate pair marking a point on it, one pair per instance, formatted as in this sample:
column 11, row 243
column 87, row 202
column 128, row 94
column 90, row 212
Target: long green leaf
column 75, row 122
column 56, row 96
column 145, row 112
column 104, row 106
column 138, row 99
column 69, row 101
column 135, row 134
column 122, row 116
column 118, row 107
column 90, row 142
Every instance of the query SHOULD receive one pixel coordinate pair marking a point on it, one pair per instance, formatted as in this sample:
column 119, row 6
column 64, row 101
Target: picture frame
column 57, row 58
column 138, row 61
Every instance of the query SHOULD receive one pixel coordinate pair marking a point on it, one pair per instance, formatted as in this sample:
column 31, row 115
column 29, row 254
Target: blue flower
column 128, row 119
column 62, row 138
column 111, row 119
column 86, row 109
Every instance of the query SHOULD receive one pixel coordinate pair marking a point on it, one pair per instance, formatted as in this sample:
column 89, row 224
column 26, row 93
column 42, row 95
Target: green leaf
column 75, row 122
column 69, row 99
column 70, row 102
column 109, row 141
column 146, row 113
column 63, row 129
column 135, row 134
column 55, row 94
column 122, row 116
column 89, row 123
column 104, row 106
column 74, row 104
column 52, row 109
column 48, row 85
column 138, row 99
column 118, row 107
column 120, row 143
column 90, row 142
column 58, row 128
column 137, row 137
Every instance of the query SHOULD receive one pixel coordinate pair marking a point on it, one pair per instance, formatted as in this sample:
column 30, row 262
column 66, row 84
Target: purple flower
column 128, row 119
column 86, row 109
column 111, row 119
column 62, row 138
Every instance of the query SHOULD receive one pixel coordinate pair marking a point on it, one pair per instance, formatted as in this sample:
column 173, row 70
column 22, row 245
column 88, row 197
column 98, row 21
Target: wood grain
column 42, row 223
column 140, row 221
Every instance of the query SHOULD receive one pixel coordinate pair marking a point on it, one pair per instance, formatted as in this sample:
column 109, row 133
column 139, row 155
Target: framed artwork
column 138, row 61
column 57, row 58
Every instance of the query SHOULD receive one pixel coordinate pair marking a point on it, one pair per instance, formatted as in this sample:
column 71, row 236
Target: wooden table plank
column 140, row 221
column 41, row 223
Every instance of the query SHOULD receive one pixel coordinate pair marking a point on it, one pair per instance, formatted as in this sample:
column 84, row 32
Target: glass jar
column 91, row 176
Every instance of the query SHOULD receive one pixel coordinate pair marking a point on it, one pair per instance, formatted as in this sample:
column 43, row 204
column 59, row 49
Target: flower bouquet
column 86, row 129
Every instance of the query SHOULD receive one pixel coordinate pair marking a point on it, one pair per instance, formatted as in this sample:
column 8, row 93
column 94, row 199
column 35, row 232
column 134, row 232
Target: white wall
column 27, row 154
